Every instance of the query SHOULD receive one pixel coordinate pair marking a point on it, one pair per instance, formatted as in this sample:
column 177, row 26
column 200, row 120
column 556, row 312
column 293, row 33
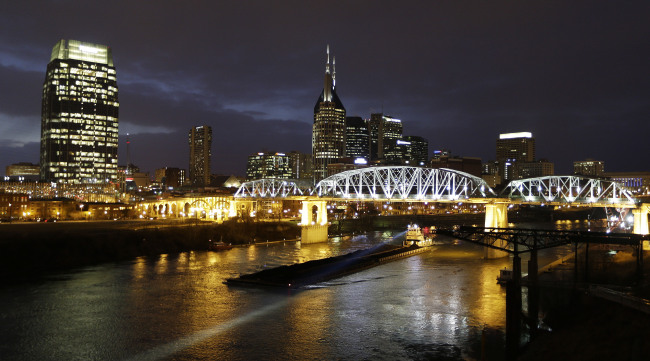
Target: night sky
column 574, row 73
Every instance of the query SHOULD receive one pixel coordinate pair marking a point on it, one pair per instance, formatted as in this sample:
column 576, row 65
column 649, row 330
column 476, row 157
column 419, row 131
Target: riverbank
column 30, row 249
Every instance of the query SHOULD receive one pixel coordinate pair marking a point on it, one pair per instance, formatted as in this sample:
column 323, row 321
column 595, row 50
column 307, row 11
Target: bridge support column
column 641, row 223
column 496, row 216
column 314, row 222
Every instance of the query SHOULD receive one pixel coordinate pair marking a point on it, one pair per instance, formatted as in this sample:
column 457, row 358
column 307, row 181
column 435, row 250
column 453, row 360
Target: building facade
column 385, row 131
column 79, row 115
column 540, row 168
column 512, row 148
column 268, row 165
column 589, row 167
column 416, row 150
column 200, row 141
column 357, row 138
column 328, row 132
column 301, row 165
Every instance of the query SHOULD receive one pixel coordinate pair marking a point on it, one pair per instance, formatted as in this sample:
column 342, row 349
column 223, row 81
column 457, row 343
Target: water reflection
column 178, row 306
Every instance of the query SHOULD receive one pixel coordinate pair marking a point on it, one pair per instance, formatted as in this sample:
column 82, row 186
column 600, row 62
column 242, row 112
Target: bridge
column 400, row 184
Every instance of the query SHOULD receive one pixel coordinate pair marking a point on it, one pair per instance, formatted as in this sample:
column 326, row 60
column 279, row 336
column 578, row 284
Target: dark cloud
column 458, row 73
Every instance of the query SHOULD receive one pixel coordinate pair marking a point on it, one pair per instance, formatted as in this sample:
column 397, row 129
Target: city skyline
column 458, row 75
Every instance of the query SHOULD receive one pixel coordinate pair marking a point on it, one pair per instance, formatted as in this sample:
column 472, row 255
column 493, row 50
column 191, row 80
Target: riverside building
column 79, row 115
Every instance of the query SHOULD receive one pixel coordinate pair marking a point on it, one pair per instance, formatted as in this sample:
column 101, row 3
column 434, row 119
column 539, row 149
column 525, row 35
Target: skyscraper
column 328, row 134
column 79, row 115
column 357, row 138
column 200, row 141
column 416, row 149
column 385, row 131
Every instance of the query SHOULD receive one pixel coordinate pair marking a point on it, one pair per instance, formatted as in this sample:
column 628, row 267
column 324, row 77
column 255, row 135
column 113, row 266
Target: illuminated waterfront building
column 200, row 141
column 357, row 138
column 79, row 116
column 589, row 167
column 328, row 132
column 511, row 148
column 268, row 165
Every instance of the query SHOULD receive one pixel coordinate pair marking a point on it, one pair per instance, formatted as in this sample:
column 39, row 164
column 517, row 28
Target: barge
column 303, row 274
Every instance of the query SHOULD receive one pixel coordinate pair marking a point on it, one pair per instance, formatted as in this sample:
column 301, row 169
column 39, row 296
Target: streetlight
column 9, row 212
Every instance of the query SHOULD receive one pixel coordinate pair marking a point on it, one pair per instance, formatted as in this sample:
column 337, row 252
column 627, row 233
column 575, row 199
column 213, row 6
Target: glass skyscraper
column 79, row 116
column 357, row 138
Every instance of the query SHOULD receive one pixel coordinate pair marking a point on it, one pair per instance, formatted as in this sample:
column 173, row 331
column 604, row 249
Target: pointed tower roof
column 329, row 88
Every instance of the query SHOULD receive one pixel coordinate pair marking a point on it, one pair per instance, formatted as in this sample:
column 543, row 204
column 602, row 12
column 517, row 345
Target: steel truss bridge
column 415, row 184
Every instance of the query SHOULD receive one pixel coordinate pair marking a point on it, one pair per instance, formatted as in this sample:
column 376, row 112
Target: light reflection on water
column 431, row 304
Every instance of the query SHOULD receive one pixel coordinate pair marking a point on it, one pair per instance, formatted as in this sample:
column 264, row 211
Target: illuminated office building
column 328, row 133
column 385, row 131
column 200, row 141
column 512, row 148
column 357, row 138
column 79, row 115
column 589, row 167
column 268, row 165
column 415, row 150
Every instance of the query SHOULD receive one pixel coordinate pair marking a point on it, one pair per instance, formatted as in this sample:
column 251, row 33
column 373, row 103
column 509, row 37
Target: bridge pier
column 496, row 216
column 641, row 223
column 313, row 222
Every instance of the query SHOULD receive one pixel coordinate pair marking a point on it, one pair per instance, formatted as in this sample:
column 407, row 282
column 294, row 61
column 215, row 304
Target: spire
column 334, row 72
column 327, row 65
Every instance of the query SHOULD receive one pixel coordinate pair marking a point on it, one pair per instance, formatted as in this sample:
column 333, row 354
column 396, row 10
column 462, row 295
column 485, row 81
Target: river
column 433, row 305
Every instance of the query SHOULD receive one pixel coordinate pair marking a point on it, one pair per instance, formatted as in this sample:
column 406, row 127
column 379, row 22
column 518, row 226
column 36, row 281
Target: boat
column 219, row 246
column 504, row 276
column 415, row 236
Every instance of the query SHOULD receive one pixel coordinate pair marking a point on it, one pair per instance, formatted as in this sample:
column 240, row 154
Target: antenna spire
column 327, row 65
column 334, row 72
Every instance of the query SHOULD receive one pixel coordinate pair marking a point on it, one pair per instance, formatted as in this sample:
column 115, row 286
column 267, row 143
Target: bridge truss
column 272, row 188
column 403, row 183
column 570, row 189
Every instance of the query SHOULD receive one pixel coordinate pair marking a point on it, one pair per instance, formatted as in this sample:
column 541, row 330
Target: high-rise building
column 328, row 134
column 301, row 165
column 200, row 141
column 79, row 115
column 589, row 167
column 416, row 149
column 268, row 165
column 385, row 131
column 511, row 148
column 357, row 138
